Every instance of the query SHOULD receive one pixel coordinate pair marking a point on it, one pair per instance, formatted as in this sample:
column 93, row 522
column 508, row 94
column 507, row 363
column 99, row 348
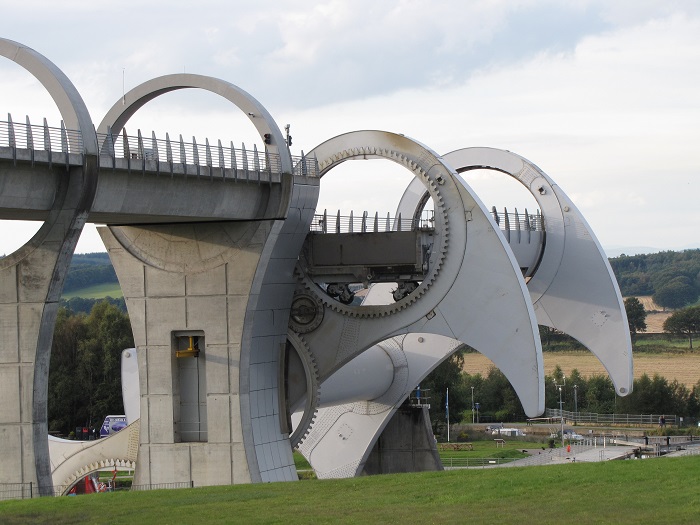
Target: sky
column 603, row 96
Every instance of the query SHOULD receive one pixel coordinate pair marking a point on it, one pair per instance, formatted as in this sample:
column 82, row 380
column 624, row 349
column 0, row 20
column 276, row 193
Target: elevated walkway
column 143, row 181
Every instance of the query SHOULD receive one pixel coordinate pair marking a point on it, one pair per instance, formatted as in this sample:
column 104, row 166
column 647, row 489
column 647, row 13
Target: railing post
column 11, row 137
column 222, row 162
column 207, row 153
column 169, row 152
column 245, row 161
column 30, row 140
column 507, row 223
column 156, row 152
column 126, row 151
column 195, row 155
column 234, row 164
column 256, row 161
column 183, row 156
column 64, row 143
column 268, row 168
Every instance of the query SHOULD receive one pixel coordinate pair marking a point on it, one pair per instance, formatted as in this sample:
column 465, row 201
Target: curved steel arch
column 497, row 315
column 76, row 116
column 573, row 288
column 125, row 108
column 68, row 100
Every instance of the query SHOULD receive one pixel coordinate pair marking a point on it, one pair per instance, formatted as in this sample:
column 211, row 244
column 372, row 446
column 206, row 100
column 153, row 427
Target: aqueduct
column 242, row 300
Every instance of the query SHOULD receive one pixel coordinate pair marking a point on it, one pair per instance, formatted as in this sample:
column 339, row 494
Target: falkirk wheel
column 249, row 342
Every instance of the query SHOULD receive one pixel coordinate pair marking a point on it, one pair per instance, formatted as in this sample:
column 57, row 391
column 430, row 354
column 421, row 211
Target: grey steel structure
column 242, row 305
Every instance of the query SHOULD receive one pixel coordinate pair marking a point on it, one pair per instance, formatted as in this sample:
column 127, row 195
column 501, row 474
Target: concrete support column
column 31, row 281
column 181, row 279
column 406, row 444
column 229, row 285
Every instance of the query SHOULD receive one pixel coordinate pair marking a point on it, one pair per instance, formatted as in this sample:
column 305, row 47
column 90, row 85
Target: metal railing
column 448, row 462
column 31, row 137
column 610, row 419
column 352, row 223
column 32, row 490
column 516, row 221
column 370, row 224
column 139, row 148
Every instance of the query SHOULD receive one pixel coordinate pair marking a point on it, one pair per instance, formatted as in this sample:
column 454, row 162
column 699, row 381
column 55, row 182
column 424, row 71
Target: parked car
column 571, row 435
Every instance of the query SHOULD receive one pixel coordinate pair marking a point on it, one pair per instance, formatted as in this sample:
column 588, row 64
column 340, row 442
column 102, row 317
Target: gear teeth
column 412, row 298
column 313, row 390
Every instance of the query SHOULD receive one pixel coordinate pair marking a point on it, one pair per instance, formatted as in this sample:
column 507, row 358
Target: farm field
column 98, row 291
column 683, row 367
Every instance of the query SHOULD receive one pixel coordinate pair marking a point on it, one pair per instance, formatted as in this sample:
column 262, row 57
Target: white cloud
column 601, row 95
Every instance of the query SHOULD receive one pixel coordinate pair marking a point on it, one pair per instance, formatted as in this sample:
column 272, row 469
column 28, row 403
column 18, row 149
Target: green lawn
column 487, row 448
column 99, row 291
column 645, row 491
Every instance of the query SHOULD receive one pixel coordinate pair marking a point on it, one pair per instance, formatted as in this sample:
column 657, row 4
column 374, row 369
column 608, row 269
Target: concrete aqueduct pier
column 241, row 305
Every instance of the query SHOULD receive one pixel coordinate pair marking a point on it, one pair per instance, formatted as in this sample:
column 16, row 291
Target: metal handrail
column 474, row 462
column 366, row 223
column 124, row 146
column 44, row 138
column 614, row 419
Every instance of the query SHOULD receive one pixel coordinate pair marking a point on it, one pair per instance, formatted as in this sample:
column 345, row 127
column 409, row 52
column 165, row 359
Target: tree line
column 85, row 381
column 671, row 278
column 85, row 370
column 89, row 269
column 498, row 401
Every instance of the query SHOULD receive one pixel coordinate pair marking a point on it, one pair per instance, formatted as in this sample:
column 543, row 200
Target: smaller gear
column 306, row 313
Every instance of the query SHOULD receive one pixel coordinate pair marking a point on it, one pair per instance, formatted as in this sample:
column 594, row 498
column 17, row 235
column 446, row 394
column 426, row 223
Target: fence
column 610, row 419
column 474, row 462
column 31, row 490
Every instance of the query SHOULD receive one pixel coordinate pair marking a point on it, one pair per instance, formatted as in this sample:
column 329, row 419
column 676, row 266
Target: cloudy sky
column 603, row 96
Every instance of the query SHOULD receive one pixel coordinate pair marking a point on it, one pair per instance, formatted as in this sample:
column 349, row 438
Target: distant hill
column 637, row 275
column 646, row 274
column 89, row 269
column 91, row 278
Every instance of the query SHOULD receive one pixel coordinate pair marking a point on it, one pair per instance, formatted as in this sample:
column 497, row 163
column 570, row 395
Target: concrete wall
column 208, row 294
column 230, row 283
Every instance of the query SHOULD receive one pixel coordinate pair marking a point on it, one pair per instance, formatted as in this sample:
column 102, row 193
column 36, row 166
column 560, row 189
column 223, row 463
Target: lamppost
column 576, row 402
column 561, row 406
column 472, row 405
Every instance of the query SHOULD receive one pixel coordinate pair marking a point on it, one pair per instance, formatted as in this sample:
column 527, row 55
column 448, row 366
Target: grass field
column 620, row 492
column 683, row 367
column 98, row 291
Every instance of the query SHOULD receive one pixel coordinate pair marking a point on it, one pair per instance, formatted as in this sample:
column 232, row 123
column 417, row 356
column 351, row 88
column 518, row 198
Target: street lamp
column 472, row 405
column 576, row 402
column 561, row 406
